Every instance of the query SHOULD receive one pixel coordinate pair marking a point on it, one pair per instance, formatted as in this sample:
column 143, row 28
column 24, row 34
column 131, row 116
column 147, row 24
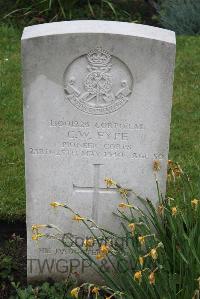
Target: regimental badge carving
column 98, row 83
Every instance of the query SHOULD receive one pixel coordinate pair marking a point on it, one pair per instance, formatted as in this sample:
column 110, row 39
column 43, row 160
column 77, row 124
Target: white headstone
column 97, row 103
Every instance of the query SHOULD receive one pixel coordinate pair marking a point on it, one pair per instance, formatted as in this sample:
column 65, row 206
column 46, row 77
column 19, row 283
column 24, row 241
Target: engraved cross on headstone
column 96, row 190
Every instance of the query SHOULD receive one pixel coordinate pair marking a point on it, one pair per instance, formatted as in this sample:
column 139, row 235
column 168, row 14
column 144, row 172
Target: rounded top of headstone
column 105, row 27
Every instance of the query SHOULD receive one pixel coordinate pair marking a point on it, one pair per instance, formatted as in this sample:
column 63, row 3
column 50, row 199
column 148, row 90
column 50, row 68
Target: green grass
column 12, row 194
column 185, row 132
column 185, row 126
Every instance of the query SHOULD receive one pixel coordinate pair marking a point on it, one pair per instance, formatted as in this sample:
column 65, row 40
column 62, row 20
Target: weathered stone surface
column 97, row 103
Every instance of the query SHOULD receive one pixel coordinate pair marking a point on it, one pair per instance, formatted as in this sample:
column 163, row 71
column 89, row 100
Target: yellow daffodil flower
column 74, row 292
column 36, row 237
column 156, row 165
column 194, row 203
column 141, row 260
column 174, row 170
column 123, row 192
column 152, row 278
column 104, row 249
column 132, row 227
column 141, row 239
column 88, row 243
column 35, row 227
column 154, row 254
column 138, row 276
column 109, row 182
column 99, row 256
column 174, row 211
column 170, row 163
column 78, row 218
column 177, row 171
column 95, row 290
column 56, row 204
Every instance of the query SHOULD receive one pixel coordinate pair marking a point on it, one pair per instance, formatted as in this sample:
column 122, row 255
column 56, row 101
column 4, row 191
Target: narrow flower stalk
column 169, row 177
